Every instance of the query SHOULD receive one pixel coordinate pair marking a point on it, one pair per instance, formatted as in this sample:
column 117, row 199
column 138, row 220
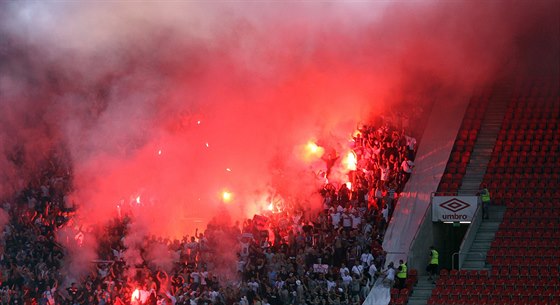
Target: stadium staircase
column 485, row 141
column 522, row 264
column 422, row 291
column 476, row 255
column 476, row 168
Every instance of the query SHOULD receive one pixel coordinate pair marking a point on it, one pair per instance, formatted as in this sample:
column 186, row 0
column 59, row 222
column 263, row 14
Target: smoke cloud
column 164, row 107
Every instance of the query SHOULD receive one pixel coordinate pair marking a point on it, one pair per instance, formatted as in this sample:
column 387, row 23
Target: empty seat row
column 506, row 246
column 535, row 206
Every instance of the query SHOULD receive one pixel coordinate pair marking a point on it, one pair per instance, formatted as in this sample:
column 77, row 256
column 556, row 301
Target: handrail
column 459, row 254
column 453, row 260
column 469, row 236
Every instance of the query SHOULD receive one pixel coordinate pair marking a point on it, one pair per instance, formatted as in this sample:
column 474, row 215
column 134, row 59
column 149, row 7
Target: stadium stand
column 524, row 175
column 463, row 146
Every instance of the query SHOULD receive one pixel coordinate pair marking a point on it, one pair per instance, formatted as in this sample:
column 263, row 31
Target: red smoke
column 163, row 108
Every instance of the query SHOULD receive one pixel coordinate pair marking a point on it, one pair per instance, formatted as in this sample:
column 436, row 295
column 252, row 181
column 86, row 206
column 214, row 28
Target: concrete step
column 480, row 155
column 480, row 246
column 489, row 225
column 481, row 144
column 472, row 181
column 472, row 171
column 471, row 184
column 420, row 293
column 412, row 301
column 473, row 268
column 472, row 176
column 474, row 264
column 496, row 213
column 485, row 236
column 476, row 256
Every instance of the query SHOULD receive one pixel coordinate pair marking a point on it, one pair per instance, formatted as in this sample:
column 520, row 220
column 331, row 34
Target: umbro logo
column 454, row 205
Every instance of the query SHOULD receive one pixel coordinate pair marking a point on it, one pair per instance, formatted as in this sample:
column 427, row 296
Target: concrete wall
column 419, row 254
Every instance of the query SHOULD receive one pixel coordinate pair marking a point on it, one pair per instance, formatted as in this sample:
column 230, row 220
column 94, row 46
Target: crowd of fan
column 290, row 257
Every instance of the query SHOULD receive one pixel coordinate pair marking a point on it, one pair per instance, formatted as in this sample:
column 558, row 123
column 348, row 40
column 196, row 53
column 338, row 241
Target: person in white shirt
column 331, row 284
column 243, row 301
column 385, row 213
column 335, row 217
column 49, row 294
column 385, row 171
column 378, row 194
column 346, row 278
column 367, row 229
column 366, row 258
column 372, row 273
column 406, row 170
column 214, row 294
column 253, row 284
column 357, row 269
column 356, row 220
column 344, row 270
column 169, row 299
column 389, row 275
column 346, row 221
column 407, row 166
column 196, row 277
column 410, row 143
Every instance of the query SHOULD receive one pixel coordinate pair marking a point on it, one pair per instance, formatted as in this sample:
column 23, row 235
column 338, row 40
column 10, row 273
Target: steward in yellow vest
column 485, row 198
column 402, row 274
column 434, row 262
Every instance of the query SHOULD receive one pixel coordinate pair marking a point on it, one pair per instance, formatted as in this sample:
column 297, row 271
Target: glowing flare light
column 135, row 297
column 350, row 161
column 313, row 151
column 227, row 196
column 312, row 147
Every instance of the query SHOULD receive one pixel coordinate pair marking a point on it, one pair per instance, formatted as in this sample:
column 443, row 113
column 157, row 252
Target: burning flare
column 135, row 297
column 227, row 196
column 312, row 151
column 350, row 161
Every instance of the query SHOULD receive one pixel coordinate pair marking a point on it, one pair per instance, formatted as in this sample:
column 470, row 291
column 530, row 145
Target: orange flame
column 350, row 161
column 227, row 196
column 313, row 151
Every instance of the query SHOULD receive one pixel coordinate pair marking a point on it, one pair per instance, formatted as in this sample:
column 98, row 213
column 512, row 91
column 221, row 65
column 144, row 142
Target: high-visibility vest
column 402, row 272
column 485, row 195
column 435, row 258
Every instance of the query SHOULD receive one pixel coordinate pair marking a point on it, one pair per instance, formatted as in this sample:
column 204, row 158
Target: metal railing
column 468, row 239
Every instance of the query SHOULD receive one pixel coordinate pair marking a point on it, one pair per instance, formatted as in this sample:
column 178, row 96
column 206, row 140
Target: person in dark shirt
column 73, row 293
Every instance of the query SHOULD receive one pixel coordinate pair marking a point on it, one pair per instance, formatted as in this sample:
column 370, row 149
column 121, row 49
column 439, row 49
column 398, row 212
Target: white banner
column 453, row 208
